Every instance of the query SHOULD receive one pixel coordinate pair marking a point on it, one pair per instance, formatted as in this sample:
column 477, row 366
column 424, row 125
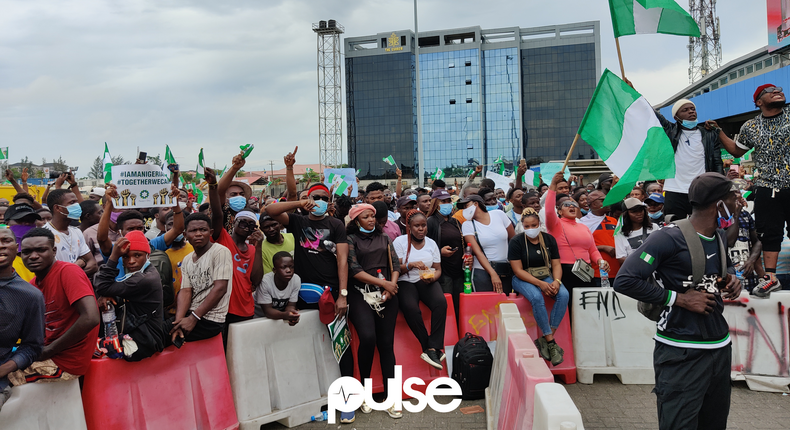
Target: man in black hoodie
column 692, row 355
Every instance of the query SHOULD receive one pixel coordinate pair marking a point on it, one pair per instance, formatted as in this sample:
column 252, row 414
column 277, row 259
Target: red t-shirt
column 65, row 284
column 241, row 301
column 604, row 236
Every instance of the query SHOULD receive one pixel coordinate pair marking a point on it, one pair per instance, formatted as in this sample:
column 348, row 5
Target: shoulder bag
column 581, row 269
column 541, row 272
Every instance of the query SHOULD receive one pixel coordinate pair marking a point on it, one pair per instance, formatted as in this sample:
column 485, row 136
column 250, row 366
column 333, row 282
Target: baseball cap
column 19, row 211
column 440, row 195
column 632, row 202
column 404, row 201
column 472, row 198
column 708, row 188
column 656, row 197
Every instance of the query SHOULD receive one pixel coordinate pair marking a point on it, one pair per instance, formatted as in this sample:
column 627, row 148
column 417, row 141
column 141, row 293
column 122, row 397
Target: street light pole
column 420, row 151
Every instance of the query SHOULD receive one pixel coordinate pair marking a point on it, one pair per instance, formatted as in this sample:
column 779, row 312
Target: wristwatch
column 344, row 292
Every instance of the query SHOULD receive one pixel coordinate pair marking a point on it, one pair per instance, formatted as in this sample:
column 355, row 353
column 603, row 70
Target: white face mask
column 469, row 212
column 532, row 232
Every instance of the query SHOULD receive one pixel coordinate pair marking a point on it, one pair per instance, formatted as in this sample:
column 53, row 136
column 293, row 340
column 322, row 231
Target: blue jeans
column 535, row 297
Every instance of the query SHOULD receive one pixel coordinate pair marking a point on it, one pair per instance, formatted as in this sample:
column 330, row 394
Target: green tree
column 118, row 160
column 59, row 165
column 187, row 177
column 312, row 176
column 97, row 169
column 240, row 173
column 155, row 159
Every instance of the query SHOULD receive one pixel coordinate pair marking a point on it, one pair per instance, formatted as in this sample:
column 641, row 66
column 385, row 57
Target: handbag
column 502, row 268
column 541, row 272
column 581, row 269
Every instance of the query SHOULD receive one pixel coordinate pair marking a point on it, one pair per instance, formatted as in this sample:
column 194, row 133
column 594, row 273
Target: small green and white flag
column 622, row 128
column 647, row 258
column 199, row 170
column 246, row 150
column 531, row 177
column 651, row 17
column 439, row 174
column 501, row 168
column 4, row 153
column 389, row 160
column 169, row 158
column 107, row 164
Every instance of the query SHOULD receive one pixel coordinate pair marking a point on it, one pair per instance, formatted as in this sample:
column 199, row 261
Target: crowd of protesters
column 185, row 273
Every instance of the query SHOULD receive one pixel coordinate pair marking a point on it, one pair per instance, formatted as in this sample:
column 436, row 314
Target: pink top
column 574, row 240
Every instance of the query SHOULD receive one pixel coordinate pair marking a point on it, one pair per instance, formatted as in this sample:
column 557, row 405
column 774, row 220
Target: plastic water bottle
column 739, row 272
column 108, row 318
column 468, row 255
column 330, row 246
column 605, row 279
column 381, row 276
column 320, row 417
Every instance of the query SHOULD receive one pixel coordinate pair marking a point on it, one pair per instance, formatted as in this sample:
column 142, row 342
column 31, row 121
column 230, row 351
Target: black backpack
column 472, row 361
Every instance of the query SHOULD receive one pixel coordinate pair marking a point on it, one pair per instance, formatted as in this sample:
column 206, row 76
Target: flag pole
column 619, row 57
column 570, row 152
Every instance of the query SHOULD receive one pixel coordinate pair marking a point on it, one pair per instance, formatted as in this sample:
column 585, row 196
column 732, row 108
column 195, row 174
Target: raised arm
column 178, row 218
column 74, row 187
column 214, row 202
column 399, row 185
column 290, row 180
column 103, row 231
column 522, row 169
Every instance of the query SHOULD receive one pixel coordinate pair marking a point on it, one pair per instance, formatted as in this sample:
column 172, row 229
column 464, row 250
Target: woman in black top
column 370, row 254
column 446, row 232
column 537, row 271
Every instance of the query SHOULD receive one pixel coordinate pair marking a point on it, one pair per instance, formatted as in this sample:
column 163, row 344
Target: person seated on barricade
column 446, row 232
column 635, row 228
column 693, row 349
column 537, row 271
column 276, row 241
column 278, row 292
column 488, row 230
column 420, row 270
column 206, row 284
column 243, row 242
column 71, row 315
column 373, row 264
column 602, row 228
column 21, row 322
column 138, row 294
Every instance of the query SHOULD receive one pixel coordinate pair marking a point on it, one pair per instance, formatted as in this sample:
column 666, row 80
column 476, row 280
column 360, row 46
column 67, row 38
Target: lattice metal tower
column 705, row 51
column 330, row 102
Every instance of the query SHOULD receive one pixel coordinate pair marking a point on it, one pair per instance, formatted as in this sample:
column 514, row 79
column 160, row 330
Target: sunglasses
column 770, row 90
column 570, row 204
column 324, row 198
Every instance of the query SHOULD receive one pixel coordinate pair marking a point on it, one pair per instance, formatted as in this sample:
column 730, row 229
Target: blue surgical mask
column 180, row 238
column 689, row 124
column 725, row 222
column 446, row 209
column 656, row 215
column 364, row 230
column 413, row 197
column 237, row 203
column 320, row 208
column 585, row 211
column 75, row 211
column 492, row 208
column 501, row 199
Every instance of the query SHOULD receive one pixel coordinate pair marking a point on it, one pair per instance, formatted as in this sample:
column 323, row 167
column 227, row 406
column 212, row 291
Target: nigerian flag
column 623, row 129
column 107, row 164
column 199, row 173
column 650, row 17
column 531, row 177
column 4, row 153
column 389, row 160
column 439, row 174
column 169, row 159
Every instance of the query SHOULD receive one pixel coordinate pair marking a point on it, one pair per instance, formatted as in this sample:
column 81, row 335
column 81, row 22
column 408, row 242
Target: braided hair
column 409, row 216
column 527, row 212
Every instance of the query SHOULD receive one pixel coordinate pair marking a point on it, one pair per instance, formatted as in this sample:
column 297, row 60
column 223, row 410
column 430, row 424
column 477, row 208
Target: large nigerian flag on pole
column 623, row 129
column 107, row 164
column 650, row 17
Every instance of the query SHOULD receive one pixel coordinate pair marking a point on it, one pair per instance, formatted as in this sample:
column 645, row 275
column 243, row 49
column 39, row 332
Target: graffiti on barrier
column 603, row 300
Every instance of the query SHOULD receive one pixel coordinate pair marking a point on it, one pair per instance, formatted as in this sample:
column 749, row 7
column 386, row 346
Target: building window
column 749, row 69
column 733, row 75
column 758, row 66
column 714, row 86
column 467, row 63
column 769, row 62
column 468, row 82
column 469, row 100
column 452, row 101
column 740, row 73
column 723, row 81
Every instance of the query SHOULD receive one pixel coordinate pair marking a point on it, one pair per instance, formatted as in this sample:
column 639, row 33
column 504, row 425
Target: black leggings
column 373, row 332
column 410, row 296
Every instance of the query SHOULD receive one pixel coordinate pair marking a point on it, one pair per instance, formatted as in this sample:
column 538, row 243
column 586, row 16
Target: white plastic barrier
column 760, row 346
column 509, row 322
column 610, row 336
column 278, row 372
column 44, row 406
column 554, row 409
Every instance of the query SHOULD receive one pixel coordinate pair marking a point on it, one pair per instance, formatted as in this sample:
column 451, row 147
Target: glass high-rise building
column 510, row 92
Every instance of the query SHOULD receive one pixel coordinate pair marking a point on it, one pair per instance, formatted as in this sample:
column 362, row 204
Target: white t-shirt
column 69, row 246
column 625, row 246
column 268, row 293
column 689, row 162
column 429, row 254
column 199, row 276
column 492, row 237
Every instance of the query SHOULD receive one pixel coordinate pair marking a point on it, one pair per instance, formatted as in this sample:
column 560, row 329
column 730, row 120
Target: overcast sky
column 202, row 73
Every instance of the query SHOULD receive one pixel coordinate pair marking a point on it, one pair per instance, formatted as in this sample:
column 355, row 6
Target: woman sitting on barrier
column 488, row 231
column 446, row 232
column 574, row 240
column 537, row 271
column 373, row 300
column 420, row 268
column 637, row 225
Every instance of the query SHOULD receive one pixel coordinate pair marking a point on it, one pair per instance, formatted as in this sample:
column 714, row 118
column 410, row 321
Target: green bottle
column 467, row 280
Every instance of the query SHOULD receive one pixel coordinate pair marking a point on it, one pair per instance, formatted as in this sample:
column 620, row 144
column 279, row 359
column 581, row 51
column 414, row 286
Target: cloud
column 192, row 74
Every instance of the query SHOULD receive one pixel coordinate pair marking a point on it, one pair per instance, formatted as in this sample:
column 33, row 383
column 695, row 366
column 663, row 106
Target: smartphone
column 735, row 167
column 142, row 156
column 173, row 167
column 179, row 342
column 454, row 249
